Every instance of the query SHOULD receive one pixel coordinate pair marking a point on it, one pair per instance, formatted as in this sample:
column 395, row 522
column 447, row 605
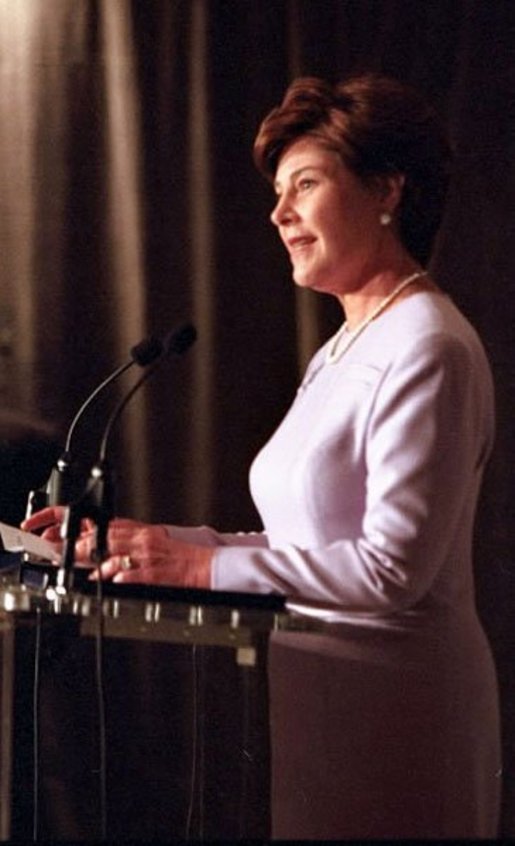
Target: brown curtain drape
column 128, row 203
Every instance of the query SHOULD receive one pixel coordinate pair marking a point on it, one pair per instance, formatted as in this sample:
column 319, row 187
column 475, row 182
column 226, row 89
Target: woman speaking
column 384, row 717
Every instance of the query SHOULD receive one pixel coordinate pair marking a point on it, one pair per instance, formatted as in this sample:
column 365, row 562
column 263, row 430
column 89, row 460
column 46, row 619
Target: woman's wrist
column 202, row 567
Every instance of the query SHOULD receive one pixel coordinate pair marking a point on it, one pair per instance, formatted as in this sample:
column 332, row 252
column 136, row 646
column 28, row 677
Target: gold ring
column 126, row 563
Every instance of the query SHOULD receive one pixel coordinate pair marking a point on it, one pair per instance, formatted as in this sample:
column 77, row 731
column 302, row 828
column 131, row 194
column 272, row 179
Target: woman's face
column 328, row 220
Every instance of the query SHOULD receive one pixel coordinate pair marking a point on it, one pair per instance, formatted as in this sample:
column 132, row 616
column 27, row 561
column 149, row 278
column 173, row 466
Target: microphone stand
column 61, row 486
column 97, row 503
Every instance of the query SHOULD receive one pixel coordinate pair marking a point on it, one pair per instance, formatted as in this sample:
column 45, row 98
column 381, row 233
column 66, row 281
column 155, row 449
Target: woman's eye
column 305, row 184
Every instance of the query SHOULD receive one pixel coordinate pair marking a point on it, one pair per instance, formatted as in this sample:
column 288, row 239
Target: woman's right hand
column 50, row 520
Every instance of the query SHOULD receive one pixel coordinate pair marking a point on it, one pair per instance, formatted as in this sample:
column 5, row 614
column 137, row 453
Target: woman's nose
column 283, row 211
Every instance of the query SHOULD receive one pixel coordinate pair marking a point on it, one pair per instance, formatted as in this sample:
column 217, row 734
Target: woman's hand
column 50, row 520
column 138, row 552
column 144, row 553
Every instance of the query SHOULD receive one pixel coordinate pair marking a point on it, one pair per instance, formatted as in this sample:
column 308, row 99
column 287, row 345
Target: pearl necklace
column 339, row 347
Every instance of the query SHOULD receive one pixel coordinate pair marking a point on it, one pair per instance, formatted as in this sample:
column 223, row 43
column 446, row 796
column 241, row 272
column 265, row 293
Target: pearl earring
column 385, row 218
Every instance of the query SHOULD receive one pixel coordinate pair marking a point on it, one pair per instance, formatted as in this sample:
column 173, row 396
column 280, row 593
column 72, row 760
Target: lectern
column 134, row 713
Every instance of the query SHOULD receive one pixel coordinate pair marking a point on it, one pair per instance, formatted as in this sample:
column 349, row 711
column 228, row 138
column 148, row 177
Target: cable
column 100, row 687
column 246, row 757
column 194, row 717
column 35, row 725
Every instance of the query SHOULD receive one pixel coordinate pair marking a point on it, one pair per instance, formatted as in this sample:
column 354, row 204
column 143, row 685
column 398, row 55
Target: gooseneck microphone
column 97, row 500
column 59, row 489
column 177, row 342
column 144, row 353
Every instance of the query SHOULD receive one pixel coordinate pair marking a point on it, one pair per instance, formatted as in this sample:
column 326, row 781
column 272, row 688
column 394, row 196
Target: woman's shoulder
column 428, row 333
column 427, row 315
column 423, row 331
column 425, row 326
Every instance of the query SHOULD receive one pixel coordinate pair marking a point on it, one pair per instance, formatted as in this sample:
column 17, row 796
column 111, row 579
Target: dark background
column 129, row 203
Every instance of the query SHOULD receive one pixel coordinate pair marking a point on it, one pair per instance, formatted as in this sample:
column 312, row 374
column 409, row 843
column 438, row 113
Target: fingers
column 123, row 534
column 156, row 574
column 51, row 516
column 54, row 515
column 191, row 567
column 52, row 534
column 146, row 544
column 49, row 521
column 119, row 540
column 108, row 570
column 127, row 568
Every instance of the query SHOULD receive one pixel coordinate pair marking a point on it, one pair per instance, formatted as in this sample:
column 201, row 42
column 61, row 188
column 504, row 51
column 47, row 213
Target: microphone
column 97, row 500
column 59, row 488
column 177, row 342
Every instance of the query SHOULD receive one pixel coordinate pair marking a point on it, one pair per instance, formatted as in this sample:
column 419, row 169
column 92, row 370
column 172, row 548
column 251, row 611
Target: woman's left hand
column 144, row 553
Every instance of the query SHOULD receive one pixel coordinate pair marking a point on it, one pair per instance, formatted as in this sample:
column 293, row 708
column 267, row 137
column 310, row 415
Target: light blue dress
column 385, row 722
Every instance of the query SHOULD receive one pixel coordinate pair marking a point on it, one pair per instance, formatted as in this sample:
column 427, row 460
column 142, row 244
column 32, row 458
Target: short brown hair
column 378, row 126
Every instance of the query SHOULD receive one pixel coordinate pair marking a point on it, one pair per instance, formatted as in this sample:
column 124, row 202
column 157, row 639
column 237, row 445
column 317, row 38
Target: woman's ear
column 390, row 188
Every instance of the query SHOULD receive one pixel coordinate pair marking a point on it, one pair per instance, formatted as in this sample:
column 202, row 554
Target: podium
column 140, row 713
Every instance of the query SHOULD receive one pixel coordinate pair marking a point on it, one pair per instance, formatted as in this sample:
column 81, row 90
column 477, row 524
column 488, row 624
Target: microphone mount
column 97, row 500
column 61, row 485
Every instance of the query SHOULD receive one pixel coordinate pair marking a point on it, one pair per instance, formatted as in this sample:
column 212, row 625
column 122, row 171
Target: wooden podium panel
column 186, row 718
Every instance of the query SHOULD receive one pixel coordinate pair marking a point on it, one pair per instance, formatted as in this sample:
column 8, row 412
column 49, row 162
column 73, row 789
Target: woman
column 384, row 720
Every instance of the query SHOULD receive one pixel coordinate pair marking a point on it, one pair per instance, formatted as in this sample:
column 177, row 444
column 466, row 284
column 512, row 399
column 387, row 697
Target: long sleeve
column 409, row 442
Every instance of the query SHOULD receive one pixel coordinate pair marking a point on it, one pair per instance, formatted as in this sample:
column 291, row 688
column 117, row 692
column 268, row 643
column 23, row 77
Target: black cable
column 100, row 687
column 246, row 757
column 194, row 719
column 35, row 727
column 201, row 721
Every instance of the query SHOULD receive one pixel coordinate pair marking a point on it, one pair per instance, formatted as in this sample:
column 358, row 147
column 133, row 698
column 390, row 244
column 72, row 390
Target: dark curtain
column 129, row 203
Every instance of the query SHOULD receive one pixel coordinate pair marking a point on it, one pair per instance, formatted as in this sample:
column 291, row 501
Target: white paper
column 14, row 540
